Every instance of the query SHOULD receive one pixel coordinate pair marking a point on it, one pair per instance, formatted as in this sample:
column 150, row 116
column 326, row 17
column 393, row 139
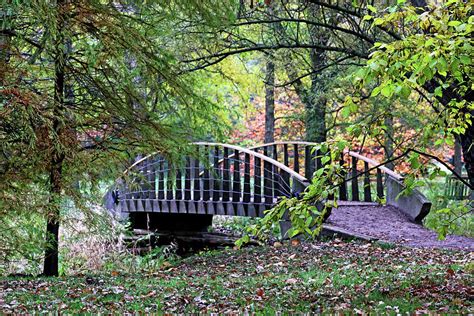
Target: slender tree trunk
column 51, row 258
column 4, row 43
column 457, row 162
column 269, row 102
column 467, row 145
column 315, row 104
column 388, row 146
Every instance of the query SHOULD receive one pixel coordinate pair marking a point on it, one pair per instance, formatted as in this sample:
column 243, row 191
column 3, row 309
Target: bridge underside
column 251, row 209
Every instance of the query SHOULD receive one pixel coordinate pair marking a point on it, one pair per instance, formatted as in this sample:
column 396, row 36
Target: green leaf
column 465, row 59
column 387, row 91
column 372, row 8
column 367, row 18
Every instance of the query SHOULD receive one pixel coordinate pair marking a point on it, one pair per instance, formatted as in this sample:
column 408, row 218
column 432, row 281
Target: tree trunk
column 467, row 144
column 51, row 257
column 389, row 141
column 457, row 162
column 269, row 102
column 4, row 43
column 315, row 104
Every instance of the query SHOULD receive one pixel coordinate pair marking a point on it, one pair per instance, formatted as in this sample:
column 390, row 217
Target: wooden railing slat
column 236, row 178
column 354, row 182
column 367, row 190
column 226, row 176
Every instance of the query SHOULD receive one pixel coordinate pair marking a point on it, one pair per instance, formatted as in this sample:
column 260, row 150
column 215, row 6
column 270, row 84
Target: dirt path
column 387, row 223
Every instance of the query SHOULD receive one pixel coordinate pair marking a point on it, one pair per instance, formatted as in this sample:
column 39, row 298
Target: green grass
column 334, row 276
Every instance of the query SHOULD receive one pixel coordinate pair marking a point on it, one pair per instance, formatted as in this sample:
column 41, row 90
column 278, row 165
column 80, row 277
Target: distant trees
column 314, row 40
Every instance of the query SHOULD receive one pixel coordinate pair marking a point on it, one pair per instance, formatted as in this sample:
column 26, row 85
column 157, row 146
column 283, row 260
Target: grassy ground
column 322, row 276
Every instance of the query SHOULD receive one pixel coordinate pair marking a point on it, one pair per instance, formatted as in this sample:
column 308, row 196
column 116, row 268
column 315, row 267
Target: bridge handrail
column 351, row 153
column 290, row 171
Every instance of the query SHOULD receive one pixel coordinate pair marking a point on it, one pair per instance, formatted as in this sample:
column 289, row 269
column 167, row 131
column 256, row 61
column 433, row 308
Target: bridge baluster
column 343, row 186
column 226, row 176
column 236, row 178
column 296, row 158
column 187, row 180
column 285, row 155
column 267, row 180
column 179, row 192
column 197, row 180
column 317, row 160
column 380, row 193
column 151, row 176
column 160, row 179
column 206, row 192
column 257, row 180
column 246, row 197
column 308, row 172
column 275, row 173
column 216, row 189
column 367, row 192
column 354, row 182
column 170, row 179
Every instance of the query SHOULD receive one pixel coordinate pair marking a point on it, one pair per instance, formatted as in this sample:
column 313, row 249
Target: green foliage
column 306, row 212
column 85, row 88
column 434, row 55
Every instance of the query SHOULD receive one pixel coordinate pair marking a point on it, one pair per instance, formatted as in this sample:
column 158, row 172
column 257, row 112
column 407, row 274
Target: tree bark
column 269, row 102
column 51, row 257
column 457, row 162
column 315, row 104
column 389, row 141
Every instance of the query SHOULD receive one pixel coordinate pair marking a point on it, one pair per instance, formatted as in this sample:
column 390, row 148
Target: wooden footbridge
column 223, row 179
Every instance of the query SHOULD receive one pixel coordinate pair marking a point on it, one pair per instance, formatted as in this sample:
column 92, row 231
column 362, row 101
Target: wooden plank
column 236, row 194
column 354, row 182
column 251, row 212
column 200, row 207
column 173, row 207
column 285, row 155
column 367, row 191
column 229, row 207
column 155, row 206
column 165, row 206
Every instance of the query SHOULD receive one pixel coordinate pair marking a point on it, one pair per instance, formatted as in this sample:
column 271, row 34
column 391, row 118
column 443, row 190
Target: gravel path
column 387, row 223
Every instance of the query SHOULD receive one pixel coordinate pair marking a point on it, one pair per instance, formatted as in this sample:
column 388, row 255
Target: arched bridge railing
column 220, row 179
column 366, row 180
